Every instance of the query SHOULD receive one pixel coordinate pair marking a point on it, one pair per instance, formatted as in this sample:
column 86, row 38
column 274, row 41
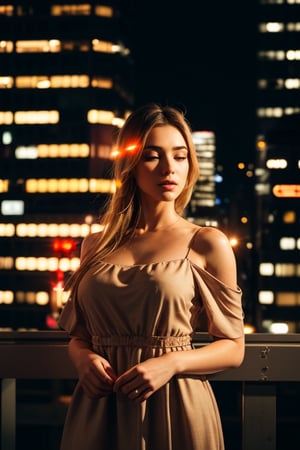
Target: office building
column 65, row 87
column 277, row 186
column 202, row 206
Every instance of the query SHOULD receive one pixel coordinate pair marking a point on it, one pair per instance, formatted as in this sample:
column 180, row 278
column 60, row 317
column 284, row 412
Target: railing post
column 8, row 414
column 259, row 416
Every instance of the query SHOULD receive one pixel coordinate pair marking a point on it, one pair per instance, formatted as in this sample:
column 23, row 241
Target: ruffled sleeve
column 220, row 307
column 71, row 320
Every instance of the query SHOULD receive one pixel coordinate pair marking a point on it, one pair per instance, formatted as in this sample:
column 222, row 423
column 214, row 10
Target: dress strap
column 192, row 240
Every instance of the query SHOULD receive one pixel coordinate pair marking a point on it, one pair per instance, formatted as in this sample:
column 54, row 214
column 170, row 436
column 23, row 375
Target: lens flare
column 130, row 148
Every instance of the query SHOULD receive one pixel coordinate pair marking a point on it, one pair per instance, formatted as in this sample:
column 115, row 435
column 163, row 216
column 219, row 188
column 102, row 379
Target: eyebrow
column 157, row 147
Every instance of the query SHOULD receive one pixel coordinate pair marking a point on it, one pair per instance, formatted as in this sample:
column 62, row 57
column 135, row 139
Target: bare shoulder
column 218, row 258
column 210, row 238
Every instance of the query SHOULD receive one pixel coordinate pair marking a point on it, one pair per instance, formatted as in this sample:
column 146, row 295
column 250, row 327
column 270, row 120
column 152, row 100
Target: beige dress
column 132, row 313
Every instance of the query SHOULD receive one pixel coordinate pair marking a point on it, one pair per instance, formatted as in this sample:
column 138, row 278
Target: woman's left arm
column 222, row 353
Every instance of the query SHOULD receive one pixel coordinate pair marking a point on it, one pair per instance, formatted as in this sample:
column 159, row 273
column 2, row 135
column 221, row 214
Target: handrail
column 268, row 359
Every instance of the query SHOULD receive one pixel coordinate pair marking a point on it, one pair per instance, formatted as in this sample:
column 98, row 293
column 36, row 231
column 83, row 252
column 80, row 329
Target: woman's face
column 162, row 170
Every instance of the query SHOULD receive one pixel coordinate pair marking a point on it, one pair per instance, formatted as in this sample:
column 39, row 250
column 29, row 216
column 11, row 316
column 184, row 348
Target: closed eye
column 150, row 157
column 180, row 158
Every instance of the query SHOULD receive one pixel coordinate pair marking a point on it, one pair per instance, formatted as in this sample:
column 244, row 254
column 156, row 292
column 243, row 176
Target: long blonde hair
column 123, row 210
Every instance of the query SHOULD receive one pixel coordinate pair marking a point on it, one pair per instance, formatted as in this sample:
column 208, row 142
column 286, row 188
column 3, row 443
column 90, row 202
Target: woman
column 145, row 284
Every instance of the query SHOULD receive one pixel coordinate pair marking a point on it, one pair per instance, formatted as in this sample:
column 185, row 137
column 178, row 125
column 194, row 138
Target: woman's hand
column 141, row 381
column 96, row 376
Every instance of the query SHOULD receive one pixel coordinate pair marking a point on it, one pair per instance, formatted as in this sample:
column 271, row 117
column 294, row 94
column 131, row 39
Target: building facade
column 65, row 86
column 277, row 185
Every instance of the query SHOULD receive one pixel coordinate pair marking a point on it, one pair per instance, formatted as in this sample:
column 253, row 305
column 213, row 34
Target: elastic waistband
column 142, row 341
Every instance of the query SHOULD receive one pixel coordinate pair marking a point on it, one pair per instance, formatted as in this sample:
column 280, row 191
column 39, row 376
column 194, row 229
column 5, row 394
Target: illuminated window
column 104, row 46
column 279, row 328
column 40, row 298
column 266, row 297
column 103, row 11
column 12, row 207
column 4, row 186
column 6, row 82
column 52, row 264
column 100, row 116
column 6, row 297
column 271, row 27
column 292, row 83
column 293, row 26
column 6, row 46
column 270, row 112
column 6, row 10
column 289, row 217
column 62, row 185
column 36, row 117
column 288, row 298
column 271, row 2
column 276, row 112
column 292, row 55
column 69, row 81
column 26, row 152
column 6, row 117
column 53, row 229
column 266, row 269
column 104, row 117
column 285, row 269
column 287, row 243
column 83, row 9
column 276, row 55
column 6, row 263
column 97, row 185
column 69, row 46
column 63, row 150
column 42, row 46
column 280, row 83
column 7, row 229
column 103, row 83
column 278, row 163
column 7, row 137
column 34, row 81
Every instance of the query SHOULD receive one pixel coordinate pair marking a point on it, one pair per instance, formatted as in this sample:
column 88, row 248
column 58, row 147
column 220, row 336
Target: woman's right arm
column 95, row 374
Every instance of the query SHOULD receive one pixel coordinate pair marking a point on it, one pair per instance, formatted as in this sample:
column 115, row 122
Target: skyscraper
column 65, row 86
column 278, row 166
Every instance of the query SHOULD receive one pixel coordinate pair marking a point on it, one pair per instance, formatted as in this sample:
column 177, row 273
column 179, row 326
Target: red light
column 51, row 322
column 65, row 246
column 56, row 245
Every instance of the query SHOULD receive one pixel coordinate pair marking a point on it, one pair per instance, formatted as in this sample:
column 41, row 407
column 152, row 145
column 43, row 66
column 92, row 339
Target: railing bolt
column 264, row 352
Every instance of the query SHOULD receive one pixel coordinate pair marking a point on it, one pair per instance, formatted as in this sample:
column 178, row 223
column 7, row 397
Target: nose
column 167, row 165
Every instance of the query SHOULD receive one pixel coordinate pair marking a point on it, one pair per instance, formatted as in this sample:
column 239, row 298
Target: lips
column 168, row 183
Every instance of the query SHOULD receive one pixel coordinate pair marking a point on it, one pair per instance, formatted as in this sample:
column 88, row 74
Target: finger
column 140, row 395
column 125, row 383
column 99, row 372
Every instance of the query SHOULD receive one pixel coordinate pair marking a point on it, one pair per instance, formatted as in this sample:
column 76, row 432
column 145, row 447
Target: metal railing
column 269, row 359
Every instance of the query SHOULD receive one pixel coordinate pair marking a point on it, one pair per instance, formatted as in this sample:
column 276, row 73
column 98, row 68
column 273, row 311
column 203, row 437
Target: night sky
column 202, row 59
